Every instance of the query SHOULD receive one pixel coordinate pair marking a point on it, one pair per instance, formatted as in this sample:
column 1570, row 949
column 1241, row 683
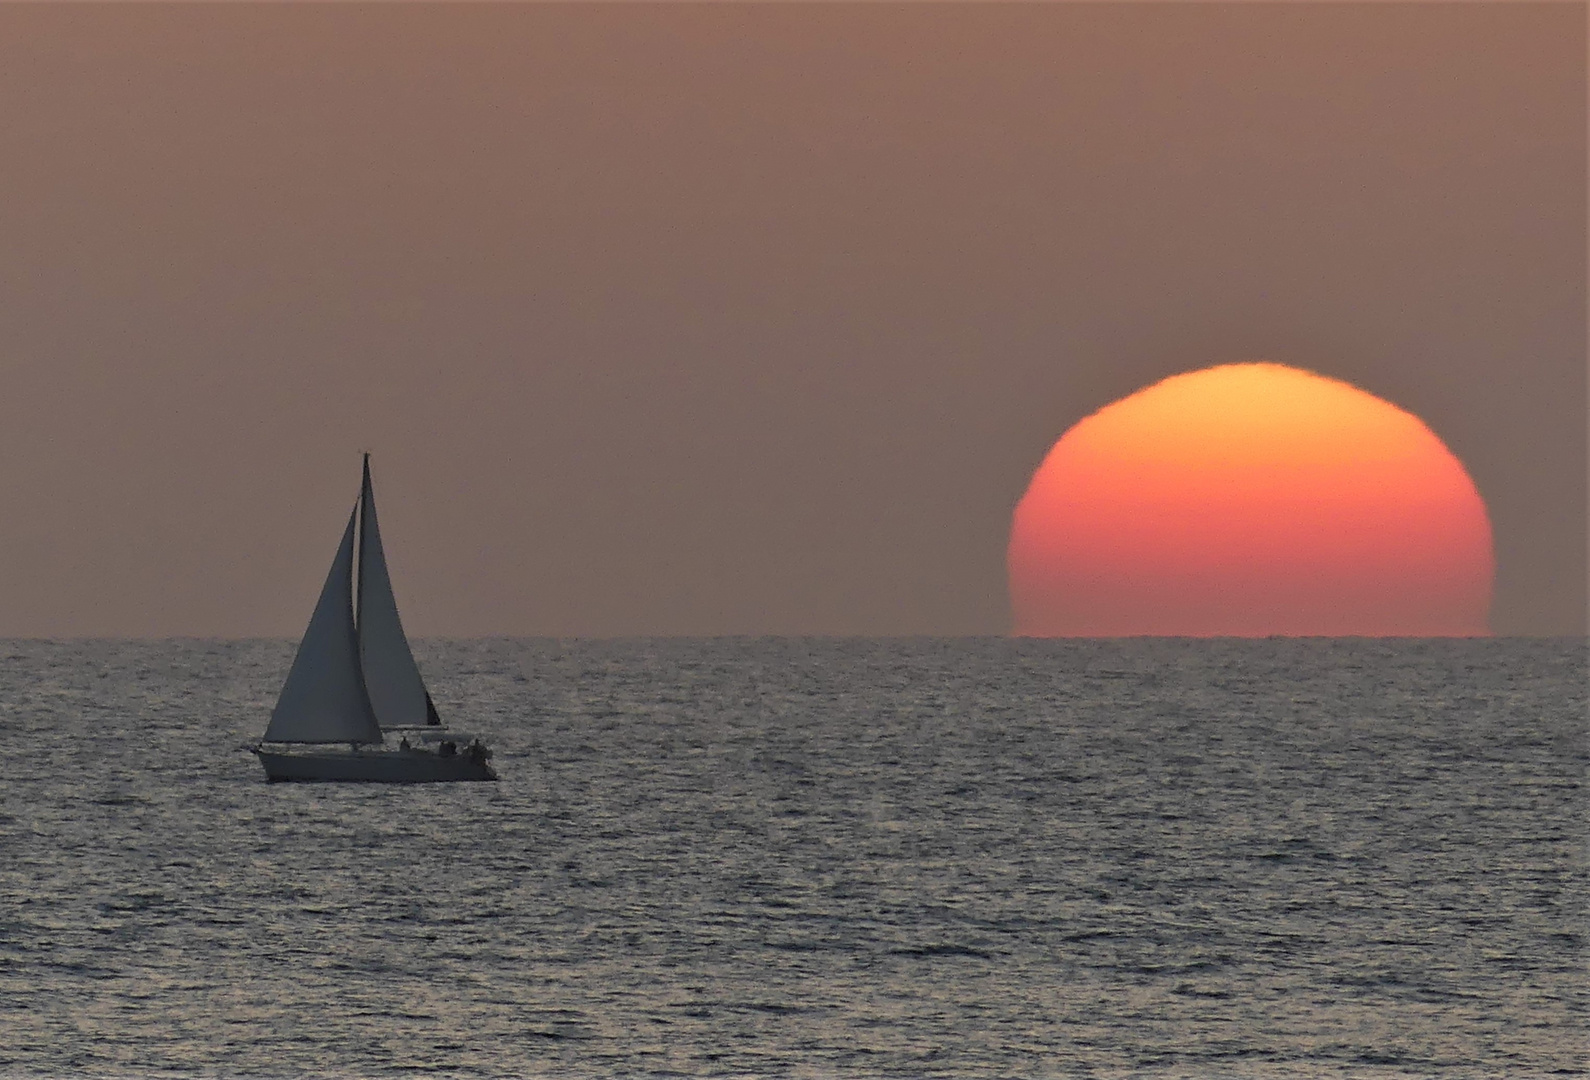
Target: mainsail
column 324, row 699
column 397, row 693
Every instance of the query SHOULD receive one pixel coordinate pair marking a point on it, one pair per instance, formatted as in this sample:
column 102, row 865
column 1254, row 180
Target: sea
column 781, row 857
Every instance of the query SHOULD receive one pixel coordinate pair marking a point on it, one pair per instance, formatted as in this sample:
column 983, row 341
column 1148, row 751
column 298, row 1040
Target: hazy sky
column 738, row 319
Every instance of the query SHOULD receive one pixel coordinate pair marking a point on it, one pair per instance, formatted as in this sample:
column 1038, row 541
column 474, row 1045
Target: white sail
column 324, row 699
column 397, row 693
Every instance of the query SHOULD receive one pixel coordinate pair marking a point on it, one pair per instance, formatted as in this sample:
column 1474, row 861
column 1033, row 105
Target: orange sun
column 1249, row 500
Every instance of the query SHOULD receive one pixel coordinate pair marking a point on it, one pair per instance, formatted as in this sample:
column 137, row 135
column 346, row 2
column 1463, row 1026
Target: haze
column 739, row 319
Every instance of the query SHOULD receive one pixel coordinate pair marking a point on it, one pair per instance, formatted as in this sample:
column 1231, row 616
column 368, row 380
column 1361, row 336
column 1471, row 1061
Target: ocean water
column 809, row 858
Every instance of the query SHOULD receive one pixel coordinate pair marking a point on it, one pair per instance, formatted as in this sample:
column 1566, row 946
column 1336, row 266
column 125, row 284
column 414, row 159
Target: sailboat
column 354, row 682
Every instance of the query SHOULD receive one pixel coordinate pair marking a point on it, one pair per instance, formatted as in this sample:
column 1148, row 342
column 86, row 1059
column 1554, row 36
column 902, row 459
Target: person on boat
column 403, row 743
column 447, row 749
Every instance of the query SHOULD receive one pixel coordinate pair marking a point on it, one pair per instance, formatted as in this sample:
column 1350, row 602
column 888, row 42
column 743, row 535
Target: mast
column 364, row 519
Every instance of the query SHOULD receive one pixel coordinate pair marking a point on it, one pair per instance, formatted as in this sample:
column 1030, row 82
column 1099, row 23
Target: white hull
column 370, row 766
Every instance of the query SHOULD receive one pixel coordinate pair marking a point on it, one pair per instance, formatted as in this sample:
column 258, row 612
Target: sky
column 724, row 319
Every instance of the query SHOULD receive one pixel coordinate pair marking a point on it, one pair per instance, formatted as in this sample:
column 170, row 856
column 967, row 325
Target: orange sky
column 738, row 318
column 1248, row 500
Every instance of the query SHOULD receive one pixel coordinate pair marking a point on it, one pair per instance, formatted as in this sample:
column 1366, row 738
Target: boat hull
column 369, row 767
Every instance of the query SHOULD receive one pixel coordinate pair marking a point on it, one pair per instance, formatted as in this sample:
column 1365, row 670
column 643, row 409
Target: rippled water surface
column 809, row 858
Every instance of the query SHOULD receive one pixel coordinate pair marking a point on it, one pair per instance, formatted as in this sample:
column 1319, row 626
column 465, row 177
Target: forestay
column 324, row 698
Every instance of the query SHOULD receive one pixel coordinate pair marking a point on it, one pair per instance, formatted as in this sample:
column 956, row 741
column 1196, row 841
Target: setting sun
column 1249, row 500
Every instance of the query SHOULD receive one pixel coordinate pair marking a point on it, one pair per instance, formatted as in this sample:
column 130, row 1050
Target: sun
column 1250, row 500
